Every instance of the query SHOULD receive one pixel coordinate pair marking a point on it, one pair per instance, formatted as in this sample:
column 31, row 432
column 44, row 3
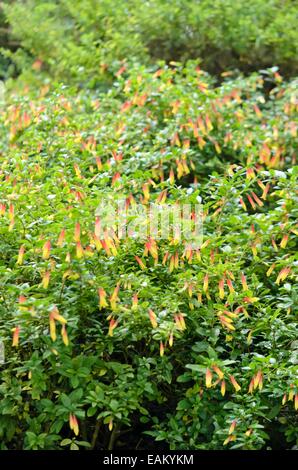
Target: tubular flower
column 243, row 282
column 234, row 383
column 112, row 326
column 73, row 424
column 15, row 337
column 56, row 316
column 232, row 427
column 208, row 378
column 64, row 335
column 61, row 238
column 206, row 283
column 243, row 204
column 284, row 241
column 269, row 271
column 79, row 250
column 77, row 232
column 46, row 250
column 152, row 318
column 283, row 274
column 230, row 286
column 221, row 288
column 140, row 262
column 45, row 280
column 21, row 255
column 114, row 297
column 218, row 371
column 223, row 388
column 135, row 301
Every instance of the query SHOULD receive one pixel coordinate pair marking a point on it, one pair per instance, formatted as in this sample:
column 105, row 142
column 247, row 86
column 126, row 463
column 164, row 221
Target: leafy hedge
column 86, row 40
column 106, row 338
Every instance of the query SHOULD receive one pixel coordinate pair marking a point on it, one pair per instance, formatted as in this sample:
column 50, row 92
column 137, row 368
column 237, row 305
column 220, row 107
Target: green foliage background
column 78, row 40
column 101, row 101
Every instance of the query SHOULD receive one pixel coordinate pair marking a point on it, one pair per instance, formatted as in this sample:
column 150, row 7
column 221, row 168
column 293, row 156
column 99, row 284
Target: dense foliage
column 161, row 129
column 85, row 40
column 122, row 342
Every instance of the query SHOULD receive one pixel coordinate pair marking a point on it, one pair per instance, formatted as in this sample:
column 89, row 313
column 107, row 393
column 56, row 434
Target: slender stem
column 113, row 437
column 95, row 435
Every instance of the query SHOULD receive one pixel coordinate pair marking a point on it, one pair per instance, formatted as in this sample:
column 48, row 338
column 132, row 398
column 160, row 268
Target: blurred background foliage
column 86, row 41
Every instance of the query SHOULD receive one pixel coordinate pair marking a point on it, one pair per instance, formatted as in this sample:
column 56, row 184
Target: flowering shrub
column 86, row 40
column 103, row 336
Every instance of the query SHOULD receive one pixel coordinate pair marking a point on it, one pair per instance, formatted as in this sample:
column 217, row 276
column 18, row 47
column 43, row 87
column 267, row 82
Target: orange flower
column 114, row 297
column 206, row 283
column 102, row 298
column 15, row 337
column 181, row 321
column 223, row 388
column 98, row 163
column 269, row 271
column 73, row 424
column 283, row 274
column 61, row 238
column 251, row 386
column 135, row 301
column 11, row 212
column 208, row 378
column 77, row 232
column 243, row 204
column 274, row 244
column 257, row 199
column 208, row 123
column 218, row 371
column 284, row 241
column 46, row 250
column 265, row 191
column 221, row 288
column 232, row 427
column 172, row 176
column 64, row 335
column 234, row 383
column 251, row 202
column 257, row 111
column 52, row 328
column 140, row 262
column 172, row 264
column 152, row 318
column 243, row 281
column 152, row 248
column 79, row 250
column 230, row 286
column 112, row 326
column 250, row 300
column 46, row 280
column 2, row 209
column 77, row 171
column 250, row 174
column 258, row 380
column 97, row 230
column 21, row 255
column 230, row 438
